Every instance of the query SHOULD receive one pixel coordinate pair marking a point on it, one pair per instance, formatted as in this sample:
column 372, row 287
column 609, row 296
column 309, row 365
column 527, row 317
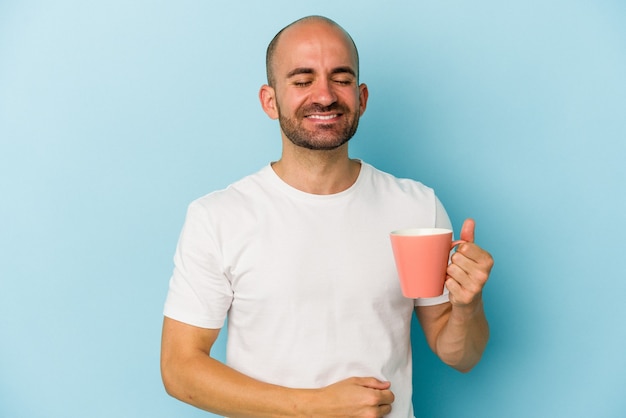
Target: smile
column 322, row 117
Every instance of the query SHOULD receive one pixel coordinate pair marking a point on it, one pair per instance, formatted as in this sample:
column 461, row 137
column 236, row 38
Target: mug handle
column 457, row 242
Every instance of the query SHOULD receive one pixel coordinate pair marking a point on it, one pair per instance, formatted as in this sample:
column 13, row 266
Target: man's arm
column 191, row 375
column 458, row 338
column 458, row 331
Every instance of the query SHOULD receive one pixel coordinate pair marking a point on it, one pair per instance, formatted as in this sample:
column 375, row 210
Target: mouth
column 323, row 117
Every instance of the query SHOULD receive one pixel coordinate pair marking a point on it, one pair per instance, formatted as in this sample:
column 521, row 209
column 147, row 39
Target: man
column 297, row 258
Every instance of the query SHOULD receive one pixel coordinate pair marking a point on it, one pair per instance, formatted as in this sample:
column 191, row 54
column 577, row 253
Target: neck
column 317, row 172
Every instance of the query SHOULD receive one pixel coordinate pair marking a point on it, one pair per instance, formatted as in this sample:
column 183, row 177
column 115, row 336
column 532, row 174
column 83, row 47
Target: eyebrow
column 306, row 70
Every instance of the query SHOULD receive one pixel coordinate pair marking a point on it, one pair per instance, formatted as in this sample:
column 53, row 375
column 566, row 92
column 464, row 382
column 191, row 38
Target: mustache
column 317, row 108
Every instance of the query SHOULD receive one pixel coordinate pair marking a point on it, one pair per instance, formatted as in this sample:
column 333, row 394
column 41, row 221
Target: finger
column 383, row 410
column 468, row 275
column 465, row 259
column 386, row 397
column 467, row 231
column 452, row 285
column 458, row 267
column 470, row 256
column 372, row 383
column 460, row 296
column 472, row 252
column 458, row 281
column 455, row 290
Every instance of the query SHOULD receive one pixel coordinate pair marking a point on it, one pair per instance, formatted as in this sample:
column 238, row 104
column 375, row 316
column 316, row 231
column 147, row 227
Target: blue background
column 115, row 115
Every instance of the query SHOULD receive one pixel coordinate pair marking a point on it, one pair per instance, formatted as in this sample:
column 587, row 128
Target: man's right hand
column 354, row 397
column 193, row 376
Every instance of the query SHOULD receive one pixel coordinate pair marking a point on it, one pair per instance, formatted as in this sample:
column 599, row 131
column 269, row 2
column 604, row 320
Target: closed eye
column 302, row 83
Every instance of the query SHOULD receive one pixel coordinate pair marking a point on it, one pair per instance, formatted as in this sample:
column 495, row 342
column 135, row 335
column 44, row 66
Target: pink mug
column 421, row 256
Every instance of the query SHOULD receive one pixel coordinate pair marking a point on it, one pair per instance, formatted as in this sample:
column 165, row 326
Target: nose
column 323, row 93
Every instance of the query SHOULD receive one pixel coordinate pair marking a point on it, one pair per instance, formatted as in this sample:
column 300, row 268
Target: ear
column 267, row 95
column 363, row 95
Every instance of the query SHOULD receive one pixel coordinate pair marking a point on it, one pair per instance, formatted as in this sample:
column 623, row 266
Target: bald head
column 320, row 21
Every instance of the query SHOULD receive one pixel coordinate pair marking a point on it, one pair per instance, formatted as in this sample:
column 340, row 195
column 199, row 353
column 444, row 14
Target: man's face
column 317, row 96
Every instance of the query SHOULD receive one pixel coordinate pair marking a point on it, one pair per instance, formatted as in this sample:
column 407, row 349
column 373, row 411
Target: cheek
column 352, row 99
column 289, row 104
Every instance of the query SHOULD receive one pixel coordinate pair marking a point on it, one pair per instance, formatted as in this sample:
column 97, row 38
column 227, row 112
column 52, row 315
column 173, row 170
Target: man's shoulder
column 384, row 179
column 241, row 188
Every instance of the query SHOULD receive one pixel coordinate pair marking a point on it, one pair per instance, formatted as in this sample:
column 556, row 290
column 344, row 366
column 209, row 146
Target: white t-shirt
column 308, row 282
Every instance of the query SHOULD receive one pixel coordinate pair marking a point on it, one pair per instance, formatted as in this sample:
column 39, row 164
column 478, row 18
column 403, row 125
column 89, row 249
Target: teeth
column 322, row 117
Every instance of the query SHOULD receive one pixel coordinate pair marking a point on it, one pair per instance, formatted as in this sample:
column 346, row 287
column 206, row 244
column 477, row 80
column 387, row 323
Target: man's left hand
column 469, row 269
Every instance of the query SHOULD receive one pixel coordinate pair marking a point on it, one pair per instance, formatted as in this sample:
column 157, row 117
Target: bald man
column 296, row 258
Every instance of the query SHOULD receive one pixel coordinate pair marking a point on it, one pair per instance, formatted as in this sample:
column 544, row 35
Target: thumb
column 467, row 231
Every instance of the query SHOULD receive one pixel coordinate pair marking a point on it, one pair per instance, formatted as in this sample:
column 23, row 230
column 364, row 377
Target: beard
column 326, row 136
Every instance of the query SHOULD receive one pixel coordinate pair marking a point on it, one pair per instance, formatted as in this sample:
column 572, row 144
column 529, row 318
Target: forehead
column 316, row 45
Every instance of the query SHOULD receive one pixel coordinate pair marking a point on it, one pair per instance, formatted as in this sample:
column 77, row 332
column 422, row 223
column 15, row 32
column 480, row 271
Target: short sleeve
column 199, row 293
